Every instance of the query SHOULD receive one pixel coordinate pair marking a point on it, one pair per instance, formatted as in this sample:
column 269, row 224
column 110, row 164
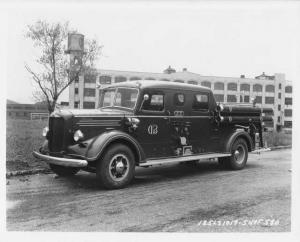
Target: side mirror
column 145, row 98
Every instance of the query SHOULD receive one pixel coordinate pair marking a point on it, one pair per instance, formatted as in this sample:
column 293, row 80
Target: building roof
column 8, row 101
column 160, row 84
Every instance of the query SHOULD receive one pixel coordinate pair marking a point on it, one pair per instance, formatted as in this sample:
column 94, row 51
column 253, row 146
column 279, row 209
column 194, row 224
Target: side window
column 154, row 103
column 200, row 101
column 179, row 99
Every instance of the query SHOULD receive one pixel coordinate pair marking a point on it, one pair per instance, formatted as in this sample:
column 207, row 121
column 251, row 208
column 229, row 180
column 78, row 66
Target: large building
column 268, row 91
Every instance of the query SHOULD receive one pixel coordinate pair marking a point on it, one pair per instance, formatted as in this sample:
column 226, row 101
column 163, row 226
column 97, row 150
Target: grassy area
column 277, row 139
column 22, row 137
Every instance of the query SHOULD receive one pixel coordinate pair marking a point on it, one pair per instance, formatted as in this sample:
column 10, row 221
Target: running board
column 152, row 162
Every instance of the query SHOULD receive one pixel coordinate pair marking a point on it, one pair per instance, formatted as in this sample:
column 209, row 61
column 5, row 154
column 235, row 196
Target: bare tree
column 54, row 74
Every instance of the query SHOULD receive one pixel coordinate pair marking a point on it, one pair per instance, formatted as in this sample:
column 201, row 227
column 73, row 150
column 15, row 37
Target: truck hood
column 91, row 112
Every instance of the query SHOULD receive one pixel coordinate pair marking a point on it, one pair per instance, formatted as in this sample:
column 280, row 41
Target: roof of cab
column 160, row 84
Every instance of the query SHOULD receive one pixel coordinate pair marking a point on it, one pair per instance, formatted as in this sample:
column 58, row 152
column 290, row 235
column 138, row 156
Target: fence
column 39, row 116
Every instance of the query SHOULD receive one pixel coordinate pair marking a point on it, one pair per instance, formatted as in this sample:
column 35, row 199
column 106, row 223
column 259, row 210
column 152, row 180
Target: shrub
column 277, row 138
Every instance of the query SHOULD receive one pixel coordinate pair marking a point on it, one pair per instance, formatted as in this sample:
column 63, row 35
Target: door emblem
column 153, row 129
column 178, row 113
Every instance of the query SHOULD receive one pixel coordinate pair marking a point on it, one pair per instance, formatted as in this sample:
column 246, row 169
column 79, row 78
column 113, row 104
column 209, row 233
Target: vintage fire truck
column 147, row 123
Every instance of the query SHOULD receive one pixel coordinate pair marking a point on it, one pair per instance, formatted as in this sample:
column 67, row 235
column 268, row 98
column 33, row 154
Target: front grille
column 56, row 134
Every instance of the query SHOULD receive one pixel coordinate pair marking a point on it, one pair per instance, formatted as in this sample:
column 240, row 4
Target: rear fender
column 98, row 146
column 234, row 136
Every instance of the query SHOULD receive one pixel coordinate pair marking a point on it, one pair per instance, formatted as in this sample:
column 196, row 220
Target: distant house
column 24, row 111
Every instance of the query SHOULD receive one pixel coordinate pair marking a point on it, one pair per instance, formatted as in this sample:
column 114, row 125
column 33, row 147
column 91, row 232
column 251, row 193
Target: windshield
column 120, row 97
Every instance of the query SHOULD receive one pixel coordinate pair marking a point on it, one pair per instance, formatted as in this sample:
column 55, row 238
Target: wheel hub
column 118, row 167
column 239, row 154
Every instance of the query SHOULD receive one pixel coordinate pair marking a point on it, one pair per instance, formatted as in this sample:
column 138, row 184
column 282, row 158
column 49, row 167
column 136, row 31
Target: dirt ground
column 177, row 198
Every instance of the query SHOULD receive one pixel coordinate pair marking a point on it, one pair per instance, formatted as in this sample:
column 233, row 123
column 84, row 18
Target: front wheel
column 239, row 156
column 63, row 170
column 116, row 168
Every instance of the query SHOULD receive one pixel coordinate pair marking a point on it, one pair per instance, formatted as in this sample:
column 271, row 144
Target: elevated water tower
column 75, row 51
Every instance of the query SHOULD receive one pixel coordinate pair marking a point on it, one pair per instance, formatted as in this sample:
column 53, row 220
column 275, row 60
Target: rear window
column 200, row 101
column 179, row 99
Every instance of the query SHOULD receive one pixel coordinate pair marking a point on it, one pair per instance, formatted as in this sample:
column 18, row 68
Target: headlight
column 78, row 135
column 45, row 131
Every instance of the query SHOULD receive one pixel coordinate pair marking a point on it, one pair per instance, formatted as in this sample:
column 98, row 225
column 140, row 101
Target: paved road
column 170, row 198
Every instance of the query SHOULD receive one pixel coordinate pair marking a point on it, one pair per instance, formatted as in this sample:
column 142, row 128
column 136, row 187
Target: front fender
column 229, row 140
column 96, row 148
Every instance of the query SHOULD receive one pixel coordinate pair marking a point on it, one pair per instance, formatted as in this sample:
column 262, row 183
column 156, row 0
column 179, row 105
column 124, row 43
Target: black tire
column 109, row 174
column 239, row 156
column 63, row 170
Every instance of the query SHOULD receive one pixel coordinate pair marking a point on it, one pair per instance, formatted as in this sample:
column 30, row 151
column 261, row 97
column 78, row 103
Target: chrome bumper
column 60, row 161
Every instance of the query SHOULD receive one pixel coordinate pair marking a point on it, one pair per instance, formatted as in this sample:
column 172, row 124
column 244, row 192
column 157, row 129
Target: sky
column 209, row 38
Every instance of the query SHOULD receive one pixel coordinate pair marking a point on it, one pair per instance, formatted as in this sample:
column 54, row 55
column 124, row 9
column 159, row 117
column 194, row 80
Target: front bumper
column 60, row 160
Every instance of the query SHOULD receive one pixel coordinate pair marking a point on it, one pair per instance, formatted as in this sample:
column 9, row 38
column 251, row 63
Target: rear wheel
column 63, row 170
column 116, row 168
column 239, row 156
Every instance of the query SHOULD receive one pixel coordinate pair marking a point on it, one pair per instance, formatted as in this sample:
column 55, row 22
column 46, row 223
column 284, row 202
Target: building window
column 269, row 100
column 279, row 107
column 288, row 101
column 76, row 105
column 279, row 86
column 245, row 99
column 219, row 86
column 180, row 81
column 245, row 87
column 231, row 98
column 288, row 124
column 258, row 99
column 134, row 78
column 270, row 88
column 76, row 80
column 88, row 105
column 257, row 88
column 192, row 82
column 219, row 97
column 288, row 89
column 279, row 95
column 89, row 92
column 76, row 90
column 232, row 86
column 288, row 112
column 105, row 80
column 120, row 79
column 206, row 84
column 90, row 78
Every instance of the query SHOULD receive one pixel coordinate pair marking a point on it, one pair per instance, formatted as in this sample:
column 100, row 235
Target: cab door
column 201, row 122
column 153, row 132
